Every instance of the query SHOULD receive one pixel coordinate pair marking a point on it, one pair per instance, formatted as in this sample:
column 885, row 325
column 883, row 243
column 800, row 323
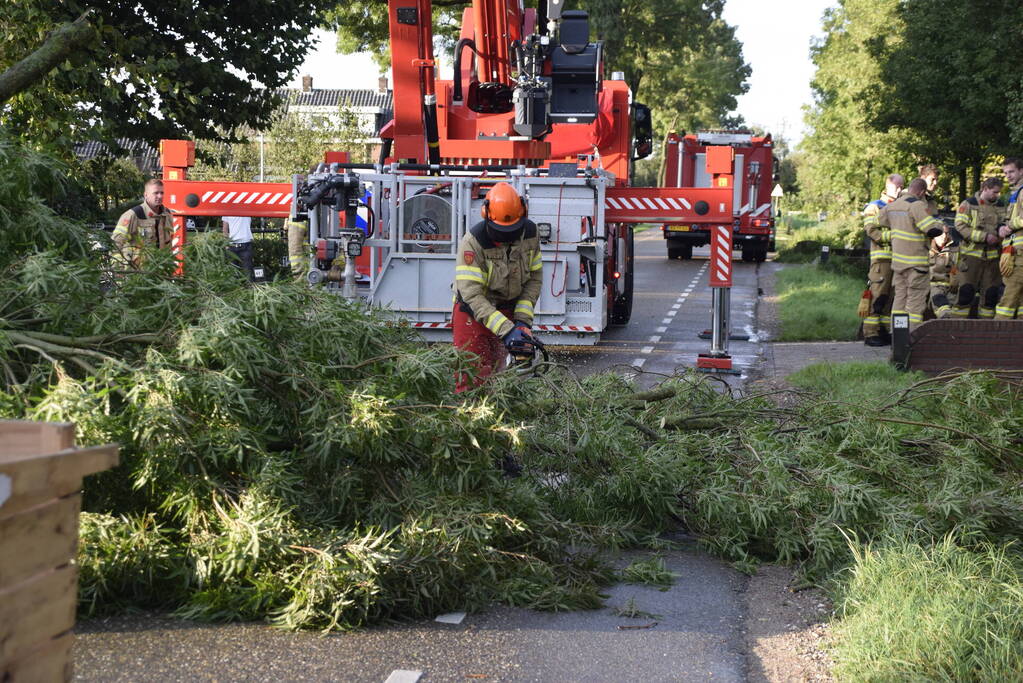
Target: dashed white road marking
column 656, row 338
column 676, row 307
column 672, row 314
column 638, row 363
column 662, row 330
column 666, row 321
column 404, row 676
column 647, row 349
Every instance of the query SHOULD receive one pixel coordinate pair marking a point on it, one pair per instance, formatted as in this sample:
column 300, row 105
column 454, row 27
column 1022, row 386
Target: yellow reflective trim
column 926, row 222
column 467, row 277
column 523, row 306
column 910, row 260
column 468, row 269
column 494, row 321
column 913, row 236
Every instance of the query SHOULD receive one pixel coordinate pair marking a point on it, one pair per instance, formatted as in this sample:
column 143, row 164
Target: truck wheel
column 686, row 252
column 621, row 308
column 747, row 254
column 674, row 253
column 760, row 255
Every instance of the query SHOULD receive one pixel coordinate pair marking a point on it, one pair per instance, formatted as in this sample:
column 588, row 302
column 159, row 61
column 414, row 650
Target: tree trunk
column 976, row 176
column 962, row 183
column 59, row 44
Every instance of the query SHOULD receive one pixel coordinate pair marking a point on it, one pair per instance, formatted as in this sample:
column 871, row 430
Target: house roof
column 370, row 99
column 145, row 155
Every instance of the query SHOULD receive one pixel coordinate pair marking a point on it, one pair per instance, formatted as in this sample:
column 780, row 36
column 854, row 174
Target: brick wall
column 939, row 345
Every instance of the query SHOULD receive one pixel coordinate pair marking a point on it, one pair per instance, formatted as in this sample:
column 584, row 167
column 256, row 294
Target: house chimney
column 382, row 85
column 307, row 83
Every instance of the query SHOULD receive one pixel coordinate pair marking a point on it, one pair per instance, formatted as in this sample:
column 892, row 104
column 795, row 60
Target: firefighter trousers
column 880, row 281
column 1012, row 299
column 911, row 287
column 471, row 335
column 977, row 277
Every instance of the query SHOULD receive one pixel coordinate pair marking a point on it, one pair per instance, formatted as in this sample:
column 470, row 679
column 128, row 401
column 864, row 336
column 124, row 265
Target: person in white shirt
column 238, row 229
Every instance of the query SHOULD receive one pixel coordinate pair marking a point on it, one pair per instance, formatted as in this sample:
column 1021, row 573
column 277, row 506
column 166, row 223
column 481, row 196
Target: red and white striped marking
column 721, row 256
column 647, row 203
column 253, row 198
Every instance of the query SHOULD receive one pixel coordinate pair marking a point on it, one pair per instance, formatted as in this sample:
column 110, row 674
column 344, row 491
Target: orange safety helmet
column 503, row 208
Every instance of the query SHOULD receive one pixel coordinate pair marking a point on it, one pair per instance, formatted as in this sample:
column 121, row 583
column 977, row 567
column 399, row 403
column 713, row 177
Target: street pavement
column 672, row 305
column 691, row 632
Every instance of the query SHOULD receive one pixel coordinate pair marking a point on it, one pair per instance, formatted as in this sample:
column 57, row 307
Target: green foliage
column 845, row 161
column 817, row 305
column 179, row 69
column 649, row 572
column 941, row 611
column 956, row 97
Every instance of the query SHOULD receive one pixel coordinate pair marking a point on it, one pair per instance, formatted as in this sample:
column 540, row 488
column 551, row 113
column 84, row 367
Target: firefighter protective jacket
column 491, row 275
column 880, row 238
column 1014, row 214
column 909, row 221
column 140, row 226
column 975, row 220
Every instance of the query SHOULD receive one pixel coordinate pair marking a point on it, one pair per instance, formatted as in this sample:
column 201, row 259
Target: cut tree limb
column 59, row 44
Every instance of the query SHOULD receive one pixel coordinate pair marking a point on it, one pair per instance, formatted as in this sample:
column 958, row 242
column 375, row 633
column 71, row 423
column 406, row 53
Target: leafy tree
column 845, row 160
column 954, row 91
column 170, row 69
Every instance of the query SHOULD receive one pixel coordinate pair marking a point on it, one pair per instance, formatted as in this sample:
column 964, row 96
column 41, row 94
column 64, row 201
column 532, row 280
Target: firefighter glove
column 1007, row 261
column 517, row 341
column 934, row 232
column 519, row 325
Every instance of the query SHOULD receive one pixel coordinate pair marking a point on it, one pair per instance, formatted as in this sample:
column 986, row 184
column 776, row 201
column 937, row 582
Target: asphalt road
column 671, row 307
column 692, row 632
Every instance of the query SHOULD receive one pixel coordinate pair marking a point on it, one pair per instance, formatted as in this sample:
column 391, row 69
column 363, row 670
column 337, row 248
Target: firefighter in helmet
column 498, row 276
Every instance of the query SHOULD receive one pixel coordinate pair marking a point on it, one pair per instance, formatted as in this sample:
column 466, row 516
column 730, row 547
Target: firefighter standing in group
column 498, row 276
column 977, row 222
column 1011, row 259
column 876, row 324
column 912, row 228
column 148, row 224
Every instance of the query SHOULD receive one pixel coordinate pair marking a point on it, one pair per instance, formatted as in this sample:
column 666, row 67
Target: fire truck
column 754, row 173
column 528, row 104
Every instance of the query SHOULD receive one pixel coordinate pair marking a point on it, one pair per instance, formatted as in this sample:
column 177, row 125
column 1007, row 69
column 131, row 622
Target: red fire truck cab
column 752, row 211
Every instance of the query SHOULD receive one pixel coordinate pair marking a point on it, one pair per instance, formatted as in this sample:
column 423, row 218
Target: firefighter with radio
column 912, row 227
column 878, row 319
column 148, row 224
column 977, row 222
column 1011, row 259
column 498, row 276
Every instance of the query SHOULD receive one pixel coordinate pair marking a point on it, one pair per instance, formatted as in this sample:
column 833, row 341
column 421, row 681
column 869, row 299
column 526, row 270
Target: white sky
column 775, row 35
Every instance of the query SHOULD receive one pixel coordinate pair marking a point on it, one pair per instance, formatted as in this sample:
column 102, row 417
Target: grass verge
column 817, row 305
column 942, row 612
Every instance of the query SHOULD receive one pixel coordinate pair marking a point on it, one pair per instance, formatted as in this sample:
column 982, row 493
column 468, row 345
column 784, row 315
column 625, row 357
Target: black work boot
column 876, row 341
